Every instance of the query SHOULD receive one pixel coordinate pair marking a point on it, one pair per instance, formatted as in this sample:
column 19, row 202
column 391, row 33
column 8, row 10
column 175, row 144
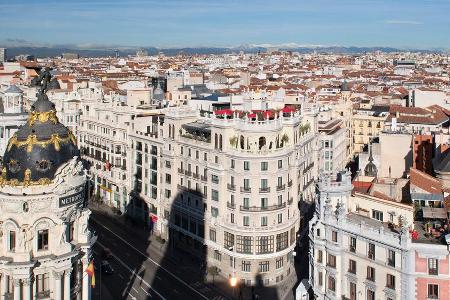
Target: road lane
column 136, row 258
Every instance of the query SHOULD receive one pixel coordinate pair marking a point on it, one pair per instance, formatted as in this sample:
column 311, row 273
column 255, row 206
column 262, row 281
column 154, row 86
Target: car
column 107, row 268
column 106, row 254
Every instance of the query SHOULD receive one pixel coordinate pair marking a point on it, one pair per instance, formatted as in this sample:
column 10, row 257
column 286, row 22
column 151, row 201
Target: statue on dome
column 42, row 80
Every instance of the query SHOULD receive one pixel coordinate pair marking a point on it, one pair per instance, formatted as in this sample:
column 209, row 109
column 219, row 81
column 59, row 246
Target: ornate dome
column 370, row 169
column 38, row 148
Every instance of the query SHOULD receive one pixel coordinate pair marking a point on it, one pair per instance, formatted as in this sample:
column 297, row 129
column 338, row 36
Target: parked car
column 107, row 268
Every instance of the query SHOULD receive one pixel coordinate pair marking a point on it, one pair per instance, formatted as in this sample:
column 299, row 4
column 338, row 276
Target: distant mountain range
column 110, row 51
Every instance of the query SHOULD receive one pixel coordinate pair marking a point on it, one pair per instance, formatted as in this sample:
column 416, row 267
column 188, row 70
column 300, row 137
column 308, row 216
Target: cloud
column 403, row 22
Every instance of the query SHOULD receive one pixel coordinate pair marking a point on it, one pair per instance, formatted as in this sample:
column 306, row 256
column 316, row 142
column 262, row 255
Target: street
column 139, row 275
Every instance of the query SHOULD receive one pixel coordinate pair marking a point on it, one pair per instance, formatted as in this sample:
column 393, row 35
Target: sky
column 419, row 24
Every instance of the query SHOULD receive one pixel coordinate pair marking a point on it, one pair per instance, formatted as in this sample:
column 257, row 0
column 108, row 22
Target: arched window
column 215, row 141
column 241, row 141
column 220, row 142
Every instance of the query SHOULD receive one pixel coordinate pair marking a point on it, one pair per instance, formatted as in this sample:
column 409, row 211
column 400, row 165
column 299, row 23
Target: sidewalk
column 183, row 263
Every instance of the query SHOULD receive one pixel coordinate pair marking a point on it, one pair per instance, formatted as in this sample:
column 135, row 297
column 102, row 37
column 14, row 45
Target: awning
column 434, row 213
column 226, row 112
column 288, row 109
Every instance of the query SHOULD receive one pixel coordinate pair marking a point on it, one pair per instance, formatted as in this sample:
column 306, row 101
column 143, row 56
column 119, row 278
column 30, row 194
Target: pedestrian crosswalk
column 200, row 286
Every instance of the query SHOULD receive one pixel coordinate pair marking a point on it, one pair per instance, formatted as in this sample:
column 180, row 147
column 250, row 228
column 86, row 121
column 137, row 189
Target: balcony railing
column 246, row 189
column 231, row 187
column 194, row 192
column 264, row 190
column 188, row 173
column 195, row 175
column 263, row 208
column 281, row 187
column 231, row 205
column 180, row 170
column 204, row 178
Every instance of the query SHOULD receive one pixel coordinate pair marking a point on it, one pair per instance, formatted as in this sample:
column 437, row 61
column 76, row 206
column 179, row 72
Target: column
column 26, row 289
column 86, row 281
column 33, row 290
column 4, row 286
column 17, row 284
column 58, row 292
column 67, row 284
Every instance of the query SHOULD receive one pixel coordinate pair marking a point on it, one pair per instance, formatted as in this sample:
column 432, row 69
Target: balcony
column 290, row 183
column 188, row 173
column 196, row 176
column 264, row 189
column 231, row 187
column 231, row 205
column 262, row 208
column 281, row 187
column 204, row 178
column 188, row 190
column 180, row 171
column 291, row 200
column 391, row 262
column 246, row 189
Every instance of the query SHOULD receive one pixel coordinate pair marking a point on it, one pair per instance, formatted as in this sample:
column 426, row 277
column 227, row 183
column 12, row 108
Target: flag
column 91, row 272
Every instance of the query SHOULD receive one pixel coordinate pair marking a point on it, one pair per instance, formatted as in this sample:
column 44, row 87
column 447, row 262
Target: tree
column 213, row 271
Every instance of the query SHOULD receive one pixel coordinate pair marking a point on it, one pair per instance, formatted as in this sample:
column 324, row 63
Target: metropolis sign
column 71, row 199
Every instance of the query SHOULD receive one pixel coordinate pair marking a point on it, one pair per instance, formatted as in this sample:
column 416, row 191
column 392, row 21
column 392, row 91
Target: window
column 216, row 159
column 370, row 295
column 212, row 235
column 246, row 202
column 352, row 266
column 371, row 251
column 391, row 258
column 370, row 274
column 232, row 218
column 246, row 165
column 43, row 239
column 390, row 281
column 264, row 166
column 433, row 291
column 264, row 184
column 232, row 163
column 42, row 284
column 319, row 256
column 217, row 255
column 264, row 202
column 280, row 218
column 214, row 212
column 246, row 184
column 433, row 266
column 214, row 178
column 280, row 164
column 12, row 241
column 228, row 240
column 244, row 244
column 331, row 283
column 377, row 215
column 334, row 236
column 246, row 266
column 168, row 178
column 352, row 243
column 320, row 277
column 264, row 221
column 264, row 244
column 279, row 262
column 246, row 221
column 331, row 261
column 215, row 195
column 352, row 291
column 282, row 241
column 264, row 266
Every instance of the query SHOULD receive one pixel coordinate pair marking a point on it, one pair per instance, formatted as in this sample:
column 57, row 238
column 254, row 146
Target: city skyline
column 174, row 23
